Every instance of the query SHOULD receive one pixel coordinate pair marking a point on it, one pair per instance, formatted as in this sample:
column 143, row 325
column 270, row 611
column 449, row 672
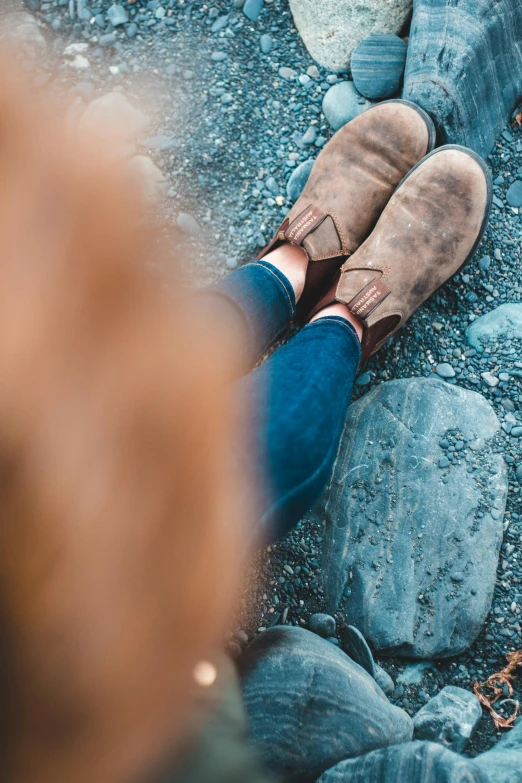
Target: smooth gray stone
column 117, row 15
column 266, row 43
column 252, row 9
column 355, row 645
column 464, row 66
column 501, row 323
column 411, row 762
column 378, row 65
column 298, row 180
column 503, row 763
column 383, row 680
column 394, row 529
column 342, row 103
column 188, row 224
column 331, row 29
column 514, row 194
column 310, row 706
column 322, row 624
column 449, row 718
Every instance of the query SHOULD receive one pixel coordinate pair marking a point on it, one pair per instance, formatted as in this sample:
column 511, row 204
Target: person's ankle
column 341, row 311
column 292, row 261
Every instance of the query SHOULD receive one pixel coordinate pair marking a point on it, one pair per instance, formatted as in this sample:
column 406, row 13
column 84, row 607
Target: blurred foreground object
column 117, row 508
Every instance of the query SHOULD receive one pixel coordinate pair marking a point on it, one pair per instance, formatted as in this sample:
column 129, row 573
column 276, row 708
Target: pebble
column 298, row 179
column 490, row 379
column 342, row 103
column 266, row 43
column 322, row 624
column 252, row 9
column 514, row 194
column 364, row 379
column 378, row 65
column 445, row 370
column 287, row 73
column 220, row 23
column 188, row 224
column 218, row 57
column 117, row 15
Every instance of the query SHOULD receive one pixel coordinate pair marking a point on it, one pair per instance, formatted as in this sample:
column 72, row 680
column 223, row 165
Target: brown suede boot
column 429, row 229
column 351, row 182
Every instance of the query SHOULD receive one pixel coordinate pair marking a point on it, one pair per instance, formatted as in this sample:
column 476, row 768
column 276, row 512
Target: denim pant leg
column 297, row 406
column 263, row 302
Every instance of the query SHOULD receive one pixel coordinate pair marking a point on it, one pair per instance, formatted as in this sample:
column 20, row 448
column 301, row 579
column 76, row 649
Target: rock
column 322, row 624
column 331, row 29
column 117, row 15
column 342, row 103
column 252, row 9
column 266, row 43
column 464, row 67
column 377, row 65
column 150, row 177
column 449, row 718
column 514, row 194
column 503, row 763
column 113, row 116
column 305, row 700
column 287, row 73
column 445, row 370
column 411, row 762
column 503, row 322
column 158, row 142
column 298, row 180
column 414, row 673
column 355, row 645
column 397, row 528
column 20, row 30
column 188, row 224
column 383, row 680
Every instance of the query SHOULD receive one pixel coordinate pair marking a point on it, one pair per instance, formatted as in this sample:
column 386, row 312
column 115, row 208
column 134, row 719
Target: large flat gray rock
column 332, row 29
column 503, row 763
column 411, row 762
column 309, row 705
column 464, row 67
column 412, row 537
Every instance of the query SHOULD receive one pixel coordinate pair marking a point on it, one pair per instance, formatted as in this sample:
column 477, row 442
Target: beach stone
column 252, row 9
column 355, row 645
column 342, row 103
column 298, row 180
column 113, row 116
column 514, row 194
column 331, row 29
column 322, row 624
column 117, row 15
column 411, row 762
column 188, row 224
column 449, row 718
column 501, row 323
column 397, row 527
column 305, row 698
column 377, row 65
column 503, row 763
column 464, row 67
column 266, row 43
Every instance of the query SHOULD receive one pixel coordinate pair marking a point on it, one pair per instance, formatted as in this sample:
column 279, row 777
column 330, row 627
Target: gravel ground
column 229, row 125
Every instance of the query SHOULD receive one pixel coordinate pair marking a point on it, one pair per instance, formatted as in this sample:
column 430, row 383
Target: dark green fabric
column 221, row 753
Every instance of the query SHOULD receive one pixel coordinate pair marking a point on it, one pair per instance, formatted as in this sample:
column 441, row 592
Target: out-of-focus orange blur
column 119, row 530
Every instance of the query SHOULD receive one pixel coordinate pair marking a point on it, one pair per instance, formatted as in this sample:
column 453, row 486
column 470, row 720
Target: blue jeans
column 299, row 395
